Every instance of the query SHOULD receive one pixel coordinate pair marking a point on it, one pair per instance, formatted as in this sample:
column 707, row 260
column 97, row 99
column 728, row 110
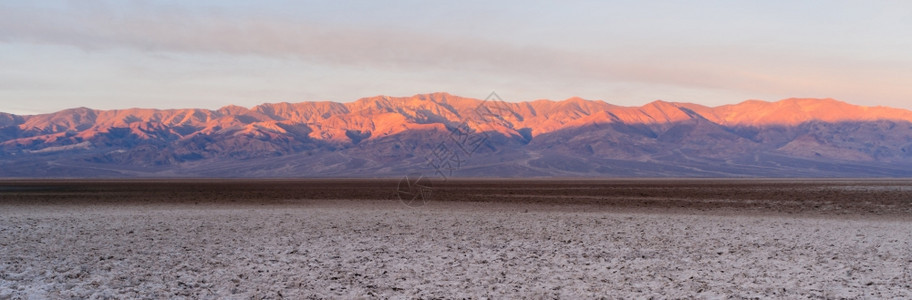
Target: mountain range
column 446, row 136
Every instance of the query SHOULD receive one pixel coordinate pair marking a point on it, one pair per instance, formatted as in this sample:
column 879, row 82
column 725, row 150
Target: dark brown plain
column 823, row 197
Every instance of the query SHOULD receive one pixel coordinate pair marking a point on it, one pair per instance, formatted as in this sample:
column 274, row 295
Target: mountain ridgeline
column 446, row 136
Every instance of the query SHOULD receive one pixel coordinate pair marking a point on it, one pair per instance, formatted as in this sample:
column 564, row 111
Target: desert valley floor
column 274, row 239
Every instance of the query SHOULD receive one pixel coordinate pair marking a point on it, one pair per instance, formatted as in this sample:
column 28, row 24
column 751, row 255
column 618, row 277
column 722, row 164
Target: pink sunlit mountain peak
column 384, row 136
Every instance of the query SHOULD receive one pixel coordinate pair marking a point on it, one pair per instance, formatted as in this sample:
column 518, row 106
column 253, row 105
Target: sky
column 208, row 54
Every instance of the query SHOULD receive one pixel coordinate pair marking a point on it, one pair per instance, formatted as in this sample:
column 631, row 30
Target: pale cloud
column 735, row 70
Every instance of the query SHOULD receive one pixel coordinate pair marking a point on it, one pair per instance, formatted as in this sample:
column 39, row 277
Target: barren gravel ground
column 66, row 245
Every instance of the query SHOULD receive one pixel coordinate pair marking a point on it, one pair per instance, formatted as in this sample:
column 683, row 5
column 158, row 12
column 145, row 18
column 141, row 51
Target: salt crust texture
column 369, row 249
